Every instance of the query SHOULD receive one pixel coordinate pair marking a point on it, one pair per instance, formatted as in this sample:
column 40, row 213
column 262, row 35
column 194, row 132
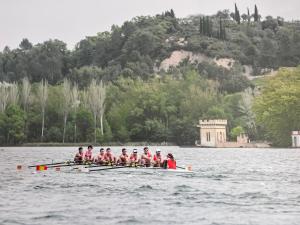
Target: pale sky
column 73, row 20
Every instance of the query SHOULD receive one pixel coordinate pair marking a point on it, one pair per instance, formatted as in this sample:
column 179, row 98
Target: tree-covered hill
column 111, row 87
column 137, row 47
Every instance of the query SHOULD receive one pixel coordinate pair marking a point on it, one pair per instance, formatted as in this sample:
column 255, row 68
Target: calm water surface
column 229, row 186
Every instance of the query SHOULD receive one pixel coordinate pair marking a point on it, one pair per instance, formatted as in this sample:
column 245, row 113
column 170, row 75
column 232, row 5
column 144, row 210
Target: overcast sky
column 72, row 20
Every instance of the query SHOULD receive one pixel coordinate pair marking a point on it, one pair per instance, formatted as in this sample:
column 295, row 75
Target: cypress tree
column 222, row 33
column 200, row 26
column 172, row 13
column 256, row 16
column 237, row 16
column 206, row 28
column 220, row 30
column 248, row 14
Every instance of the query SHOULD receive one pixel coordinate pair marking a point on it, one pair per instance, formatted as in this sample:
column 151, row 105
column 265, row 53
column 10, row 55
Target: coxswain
column 79, row 156
column 157, row 159
column 109, row 158
column 88, row 156
column 146, row 157
column 134, row 159
column 100, row 158
column 170, row 162
column 123, row 158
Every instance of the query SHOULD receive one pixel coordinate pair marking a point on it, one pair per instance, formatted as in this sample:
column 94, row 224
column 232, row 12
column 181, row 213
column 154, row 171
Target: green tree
column 277, row 109
column 236, row 132
column 15, row 124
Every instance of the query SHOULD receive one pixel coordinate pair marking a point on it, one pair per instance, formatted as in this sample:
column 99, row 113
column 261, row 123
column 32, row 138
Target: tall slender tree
column 201, row 26
column 237, row 16
column 13, row 94
column 96, row 97
column 25, row 94
column 75, row 105
column 67, row 97
column 4, row 95
column 256, row 16
column 102, row 95
column 42, row 97
column 248, row 16
column 25, row 97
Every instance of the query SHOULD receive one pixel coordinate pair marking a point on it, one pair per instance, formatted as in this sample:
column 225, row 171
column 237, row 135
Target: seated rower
column 146, row 157
column 88, row 156
column 109, row 158
column 100, row 159
column 123, row 158
column 133, row 159
column 157, row 159
column 170, row 162
column 79, row 156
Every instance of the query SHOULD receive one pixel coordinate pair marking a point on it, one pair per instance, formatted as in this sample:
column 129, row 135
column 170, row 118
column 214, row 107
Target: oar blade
column 41, row 168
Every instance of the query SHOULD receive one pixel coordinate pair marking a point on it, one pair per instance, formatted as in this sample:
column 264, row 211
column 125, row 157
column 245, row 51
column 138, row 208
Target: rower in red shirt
column 123, row 158
column 146, row 157
column 109, row 158
column 88, row 155
column 133, row 159
column 100, row 159
column 157, row 159
column 79, row 156
column 170, row 162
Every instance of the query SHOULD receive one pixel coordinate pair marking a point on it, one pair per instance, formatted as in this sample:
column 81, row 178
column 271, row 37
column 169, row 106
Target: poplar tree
column 75, row 104
column 13, row 94
column 4, row 95
column 67, row 103
column 42, row 96
column 25, row 97
column 96, row 97
column 26, row 90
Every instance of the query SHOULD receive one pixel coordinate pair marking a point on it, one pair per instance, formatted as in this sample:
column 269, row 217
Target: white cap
column 158, row 150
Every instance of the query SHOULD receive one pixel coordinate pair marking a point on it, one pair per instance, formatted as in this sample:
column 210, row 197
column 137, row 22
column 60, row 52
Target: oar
column 50, row 164
column 110, row 168
column 64, row 165
column 189, row 167
column 180, row 167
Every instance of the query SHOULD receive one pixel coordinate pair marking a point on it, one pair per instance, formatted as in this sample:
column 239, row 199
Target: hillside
column 160, row 75
column 139, row 46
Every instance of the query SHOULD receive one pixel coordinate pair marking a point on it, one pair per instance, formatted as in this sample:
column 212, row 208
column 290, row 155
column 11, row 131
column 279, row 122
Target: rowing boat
column 135, row 169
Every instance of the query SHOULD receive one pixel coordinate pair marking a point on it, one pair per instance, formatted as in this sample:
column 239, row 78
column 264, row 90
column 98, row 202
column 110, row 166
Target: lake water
column 229, row 186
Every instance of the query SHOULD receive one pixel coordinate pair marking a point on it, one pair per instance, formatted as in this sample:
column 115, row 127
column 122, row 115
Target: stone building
column 296, row 139
column 212, row 132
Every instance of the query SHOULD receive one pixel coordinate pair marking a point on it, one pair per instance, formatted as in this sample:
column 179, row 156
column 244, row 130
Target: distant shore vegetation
column 111, row 87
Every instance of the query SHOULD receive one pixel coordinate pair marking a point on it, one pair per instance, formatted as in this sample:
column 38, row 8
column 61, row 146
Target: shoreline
column 54, row 144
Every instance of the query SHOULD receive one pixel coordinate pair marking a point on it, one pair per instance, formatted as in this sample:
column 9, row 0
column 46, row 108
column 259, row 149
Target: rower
column 146, row 157
column 123, row 158
column 134, row 160
column 88, row 156
column 170, row 162
column 157, row 159
column 109, row 158
column 79, row 156
column 100, row 159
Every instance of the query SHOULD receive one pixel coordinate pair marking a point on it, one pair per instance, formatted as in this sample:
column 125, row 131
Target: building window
column 208, row 137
